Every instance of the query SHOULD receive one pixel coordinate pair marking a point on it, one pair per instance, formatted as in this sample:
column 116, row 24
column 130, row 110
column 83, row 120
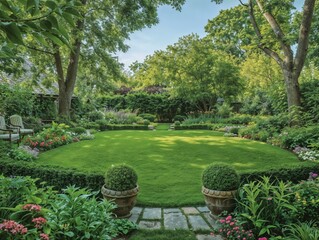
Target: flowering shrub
column 230, row 229
column 265, row 206
column 306, row 154
column 74, row 214
column 50, row 138
column 306, row 199
column 26, row 222
column 9, row 229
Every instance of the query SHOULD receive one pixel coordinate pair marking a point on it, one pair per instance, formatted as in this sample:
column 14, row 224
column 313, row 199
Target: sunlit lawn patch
column 169, row 163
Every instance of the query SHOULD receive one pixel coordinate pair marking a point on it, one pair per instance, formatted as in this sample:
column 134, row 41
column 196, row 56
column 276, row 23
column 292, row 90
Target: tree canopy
column 192, row 69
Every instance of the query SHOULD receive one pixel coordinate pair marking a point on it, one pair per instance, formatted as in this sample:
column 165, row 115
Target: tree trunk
column 291, row 67
column 64, row 103
column 292, row 88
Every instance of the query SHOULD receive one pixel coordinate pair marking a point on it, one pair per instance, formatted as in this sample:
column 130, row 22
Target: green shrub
column 85, row 217
column 264, row 206
column 302, row 137
column 304, row 231
column 234, row 130
column 239, row 119
column 177, row 123
column 95, row 115
column 20, row 155
column 146, row 122
column 262, row 135
column 224, row 110
column 148, row 116
column 306, row 200
column 78, row 130
column 249, row 132
column 120, row 178
column 220, row 177
column 20, row 190
column 179, row 118
column 5, row 147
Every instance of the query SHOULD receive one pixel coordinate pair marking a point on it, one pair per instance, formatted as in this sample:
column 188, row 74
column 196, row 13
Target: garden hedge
column 193, row 127
column 61, row 177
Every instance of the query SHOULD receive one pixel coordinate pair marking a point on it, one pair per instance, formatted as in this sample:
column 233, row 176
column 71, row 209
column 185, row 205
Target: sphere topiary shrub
column 221, row 177
column 120, row 178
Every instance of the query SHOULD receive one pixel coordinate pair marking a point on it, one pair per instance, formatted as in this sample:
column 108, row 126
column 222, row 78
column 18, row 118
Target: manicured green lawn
column 169, row 163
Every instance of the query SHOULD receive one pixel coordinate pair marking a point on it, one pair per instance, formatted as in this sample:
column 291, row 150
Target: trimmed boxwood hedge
column 102, row 125
column 193, row 127
column 61, row 177
column 54, row 176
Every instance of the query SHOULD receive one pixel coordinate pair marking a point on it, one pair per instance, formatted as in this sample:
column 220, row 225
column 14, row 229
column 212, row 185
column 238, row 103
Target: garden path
column 186, row 218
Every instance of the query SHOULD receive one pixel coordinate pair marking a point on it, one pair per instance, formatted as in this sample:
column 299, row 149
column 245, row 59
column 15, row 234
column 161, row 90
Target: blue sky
column 172, row 25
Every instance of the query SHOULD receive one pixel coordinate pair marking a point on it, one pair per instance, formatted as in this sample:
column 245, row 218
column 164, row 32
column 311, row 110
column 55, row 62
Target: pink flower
column 13, row 227
column 44, row 236
column 39, row 222
column 32, row 207
column 231, row 223
column 222, row 220
column 228, row 218
column 263, row 238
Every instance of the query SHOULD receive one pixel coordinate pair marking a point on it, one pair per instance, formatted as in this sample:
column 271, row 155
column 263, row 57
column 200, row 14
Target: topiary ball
column 120, row 178
column 220, row 177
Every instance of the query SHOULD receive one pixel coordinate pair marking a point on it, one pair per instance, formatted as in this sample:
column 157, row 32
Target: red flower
column 32, row 207
column 44, row 236
column 39, row 222
column 13, row 227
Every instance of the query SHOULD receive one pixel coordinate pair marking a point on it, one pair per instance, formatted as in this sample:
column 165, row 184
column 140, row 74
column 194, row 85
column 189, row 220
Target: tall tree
column 193, row 70
column 277, row 15
column 96, row 34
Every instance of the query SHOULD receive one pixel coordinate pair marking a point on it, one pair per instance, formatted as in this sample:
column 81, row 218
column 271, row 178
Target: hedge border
column 61, row 177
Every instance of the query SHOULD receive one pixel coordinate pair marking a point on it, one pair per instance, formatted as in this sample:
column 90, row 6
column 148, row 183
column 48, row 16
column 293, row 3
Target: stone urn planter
column 125, row 200
column 219, row 201
column 220, row 184
column 121, row 188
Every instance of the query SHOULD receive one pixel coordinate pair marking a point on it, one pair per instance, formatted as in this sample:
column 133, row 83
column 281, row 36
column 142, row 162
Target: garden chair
column 16, row 122
column 7, row 134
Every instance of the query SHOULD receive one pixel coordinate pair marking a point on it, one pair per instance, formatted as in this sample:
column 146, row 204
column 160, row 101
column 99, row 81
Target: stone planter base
column 219, row 201
column 125, row 200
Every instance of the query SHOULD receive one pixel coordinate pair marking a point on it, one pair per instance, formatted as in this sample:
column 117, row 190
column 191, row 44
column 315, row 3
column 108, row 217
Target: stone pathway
column 186, row 218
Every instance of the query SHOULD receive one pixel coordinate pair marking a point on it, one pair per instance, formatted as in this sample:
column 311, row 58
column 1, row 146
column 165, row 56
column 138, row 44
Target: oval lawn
column 168, row 163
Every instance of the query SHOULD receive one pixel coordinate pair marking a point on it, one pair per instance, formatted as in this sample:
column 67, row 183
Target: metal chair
column 7, row 134
column 16, row 122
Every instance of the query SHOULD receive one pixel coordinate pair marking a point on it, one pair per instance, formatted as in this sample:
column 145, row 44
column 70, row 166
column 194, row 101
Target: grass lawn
column 169, row 163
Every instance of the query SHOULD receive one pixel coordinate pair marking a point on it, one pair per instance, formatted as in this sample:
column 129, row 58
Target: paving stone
column 175, row 220
column 190, row 210
column 198, row 223
column 136, row 211
column 203, row 209
column 208, row 237
column 152, row 213
column 210, row 220
column 172, row 210
column 149, row 225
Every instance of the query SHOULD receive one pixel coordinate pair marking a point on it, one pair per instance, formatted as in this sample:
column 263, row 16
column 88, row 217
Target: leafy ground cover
column 169, row 163
column 163, row 235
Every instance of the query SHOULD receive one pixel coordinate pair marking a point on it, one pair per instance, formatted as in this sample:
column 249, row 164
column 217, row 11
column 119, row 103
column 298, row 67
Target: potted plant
column 121, row 187
column 220, row 184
